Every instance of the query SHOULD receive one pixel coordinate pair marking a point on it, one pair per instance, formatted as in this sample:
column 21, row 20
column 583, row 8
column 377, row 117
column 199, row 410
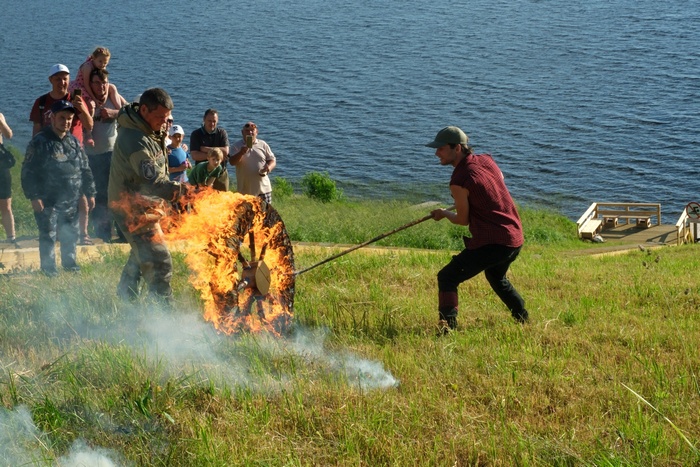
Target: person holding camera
column 99, row 154
column 7, row 161
column 253, row 160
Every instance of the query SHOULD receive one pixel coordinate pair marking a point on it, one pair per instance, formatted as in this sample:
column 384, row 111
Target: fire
column 239, row 254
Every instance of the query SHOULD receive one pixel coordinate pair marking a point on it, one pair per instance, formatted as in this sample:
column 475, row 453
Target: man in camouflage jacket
column 55, row 174
column 138, row 186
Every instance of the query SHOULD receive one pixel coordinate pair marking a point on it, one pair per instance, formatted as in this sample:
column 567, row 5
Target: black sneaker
column 443, row 328
column 521, row 317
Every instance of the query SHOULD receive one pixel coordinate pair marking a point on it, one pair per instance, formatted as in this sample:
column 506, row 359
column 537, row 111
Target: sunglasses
column 249, row 125
column 170, row 120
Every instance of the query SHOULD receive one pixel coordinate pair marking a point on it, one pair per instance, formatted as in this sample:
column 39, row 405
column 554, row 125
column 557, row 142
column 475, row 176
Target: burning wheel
column 252, row 286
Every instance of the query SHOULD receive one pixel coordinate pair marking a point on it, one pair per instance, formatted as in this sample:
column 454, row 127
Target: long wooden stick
column 375, row 239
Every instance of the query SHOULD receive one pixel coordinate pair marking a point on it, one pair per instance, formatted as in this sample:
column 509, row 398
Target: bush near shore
column 605, row 374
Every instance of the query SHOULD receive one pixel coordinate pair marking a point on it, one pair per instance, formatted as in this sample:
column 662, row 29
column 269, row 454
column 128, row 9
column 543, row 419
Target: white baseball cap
column 58, row 68
column 176, row 129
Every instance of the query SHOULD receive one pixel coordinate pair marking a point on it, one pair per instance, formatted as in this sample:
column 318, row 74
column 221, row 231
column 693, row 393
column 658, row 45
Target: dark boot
column 521, row 316
column 448, row 321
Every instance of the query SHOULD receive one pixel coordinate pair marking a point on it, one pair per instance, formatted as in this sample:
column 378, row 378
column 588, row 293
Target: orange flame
column 222, row 233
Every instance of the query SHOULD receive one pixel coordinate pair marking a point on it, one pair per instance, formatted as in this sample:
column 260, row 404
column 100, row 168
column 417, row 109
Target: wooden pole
column 375, row 239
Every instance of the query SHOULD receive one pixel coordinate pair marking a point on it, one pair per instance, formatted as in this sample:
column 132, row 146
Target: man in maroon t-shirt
column 59, row 77
column 483, row 203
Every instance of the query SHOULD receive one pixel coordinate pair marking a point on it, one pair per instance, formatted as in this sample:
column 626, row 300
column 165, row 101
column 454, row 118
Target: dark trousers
column 57, row 222
column 101, row 217
column 494, row 261
column 149, row 258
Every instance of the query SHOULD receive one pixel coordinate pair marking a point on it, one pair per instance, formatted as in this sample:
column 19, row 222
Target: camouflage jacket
column 56, row 170
column 139, row 161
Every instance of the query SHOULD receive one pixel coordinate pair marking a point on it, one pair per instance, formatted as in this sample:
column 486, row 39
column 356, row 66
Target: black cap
column 60, row 106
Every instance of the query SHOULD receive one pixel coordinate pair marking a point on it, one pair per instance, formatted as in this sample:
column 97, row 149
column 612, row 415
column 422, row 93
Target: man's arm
column 196, row 149
column 235, row 158
column 5, row 129
column 461, row 214
column 36, row 118
column 32, row 176
column 83, row 113
column 88, row 182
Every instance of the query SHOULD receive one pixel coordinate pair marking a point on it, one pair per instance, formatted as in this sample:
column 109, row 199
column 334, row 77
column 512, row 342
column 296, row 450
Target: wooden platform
column 663, row 234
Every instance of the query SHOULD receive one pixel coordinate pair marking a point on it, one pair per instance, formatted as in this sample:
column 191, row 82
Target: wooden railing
column 683, row 231
column 585, row 220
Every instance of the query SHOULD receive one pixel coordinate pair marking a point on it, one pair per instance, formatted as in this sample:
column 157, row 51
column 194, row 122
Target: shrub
column 282, row 188
column 321, row 187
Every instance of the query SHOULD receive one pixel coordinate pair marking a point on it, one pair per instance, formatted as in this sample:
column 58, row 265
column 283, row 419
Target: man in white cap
column 55, row 174
column 483, row 203
column 40, row 116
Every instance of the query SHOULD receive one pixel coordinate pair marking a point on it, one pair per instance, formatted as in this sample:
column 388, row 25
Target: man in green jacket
column 139, row 186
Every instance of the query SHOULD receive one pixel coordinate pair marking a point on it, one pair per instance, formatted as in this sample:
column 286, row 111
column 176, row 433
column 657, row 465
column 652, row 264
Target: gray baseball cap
column 449, row 135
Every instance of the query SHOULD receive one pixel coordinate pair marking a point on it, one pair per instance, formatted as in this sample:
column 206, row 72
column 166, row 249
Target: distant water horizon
column 577, row 103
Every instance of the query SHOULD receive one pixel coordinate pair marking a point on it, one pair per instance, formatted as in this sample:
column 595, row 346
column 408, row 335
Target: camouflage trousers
column 57, row 222
column 149, row 259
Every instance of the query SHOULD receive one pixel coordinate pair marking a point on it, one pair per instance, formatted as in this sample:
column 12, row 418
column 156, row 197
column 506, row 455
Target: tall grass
column 362, row 379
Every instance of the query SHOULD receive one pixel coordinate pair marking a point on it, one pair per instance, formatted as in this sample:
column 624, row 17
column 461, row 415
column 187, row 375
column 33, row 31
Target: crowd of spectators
column 68, row 165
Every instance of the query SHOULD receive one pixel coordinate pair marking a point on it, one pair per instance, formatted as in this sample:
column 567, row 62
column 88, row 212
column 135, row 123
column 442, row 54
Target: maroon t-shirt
column 44, row 118
column 493, row 218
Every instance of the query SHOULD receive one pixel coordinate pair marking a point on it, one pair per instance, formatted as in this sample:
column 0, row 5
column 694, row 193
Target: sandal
column 85, row 240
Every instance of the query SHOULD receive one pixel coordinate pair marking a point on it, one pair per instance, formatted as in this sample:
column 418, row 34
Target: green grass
column 606, row 373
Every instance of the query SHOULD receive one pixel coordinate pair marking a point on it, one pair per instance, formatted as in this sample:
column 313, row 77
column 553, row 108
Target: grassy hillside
column 606, row 373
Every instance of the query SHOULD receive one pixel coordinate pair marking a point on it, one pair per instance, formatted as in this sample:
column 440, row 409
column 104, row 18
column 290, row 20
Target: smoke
column 81, row 455
column 18, row 437
column 184, row 344
column 185, row 339
column 22, row 443
column 359, row 372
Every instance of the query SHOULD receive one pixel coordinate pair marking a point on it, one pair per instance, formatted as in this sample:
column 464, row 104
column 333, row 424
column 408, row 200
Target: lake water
column 577, row 101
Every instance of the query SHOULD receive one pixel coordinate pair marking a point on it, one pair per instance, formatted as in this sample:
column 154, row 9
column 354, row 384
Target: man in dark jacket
column 55, row 174
column 139, row 186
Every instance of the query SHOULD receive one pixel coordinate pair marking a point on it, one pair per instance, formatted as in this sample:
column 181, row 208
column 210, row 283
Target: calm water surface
column 598, row 101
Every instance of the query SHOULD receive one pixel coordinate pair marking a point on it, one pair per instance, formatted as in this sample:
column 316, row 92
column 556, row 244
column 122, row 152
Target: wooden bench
column 642, row 220
column 590, row 228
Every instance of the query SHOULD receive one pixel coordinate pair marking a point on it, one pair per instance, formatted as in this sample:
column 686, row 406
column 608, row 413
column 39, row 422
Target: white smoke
column 359, row 372
column 22, row 443
column 190, row 345
column 186, row 339
column 19, row 437
column 81, row 455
